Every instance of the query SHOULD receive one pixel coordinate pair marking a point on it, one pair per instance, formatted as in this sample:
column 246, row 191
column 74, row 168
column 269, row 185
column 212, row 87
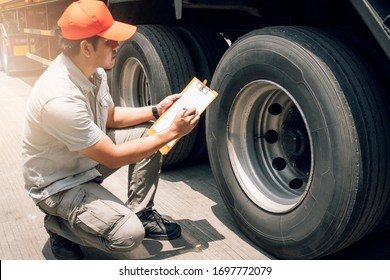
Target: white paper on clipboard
column 196, row 94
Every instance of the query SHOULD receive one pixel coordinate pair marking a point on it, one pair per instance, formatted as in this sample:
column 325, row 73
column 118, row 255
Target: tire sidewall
column 136, row 48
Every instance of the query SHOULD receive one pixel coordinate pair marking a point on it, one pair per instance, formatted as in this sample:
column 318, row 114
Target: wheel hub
column 293, row 143
column 274, row 168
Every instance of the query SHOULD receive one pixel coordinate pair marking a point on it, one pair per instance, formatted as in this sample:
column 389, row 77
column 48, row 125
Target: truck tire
column 153, row 64
column 1, row 54
column 206, row 48
column 298, row 142
column 3, row 50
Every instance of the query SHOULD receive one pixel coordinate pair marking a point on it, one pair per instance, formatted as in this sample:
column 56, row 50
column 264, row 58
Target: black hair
column 72, row 47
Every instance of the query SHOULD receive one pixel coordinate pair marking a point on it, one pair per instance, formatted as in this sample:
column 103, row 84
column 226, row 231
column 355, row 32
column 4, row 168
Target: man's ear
column 85, row 48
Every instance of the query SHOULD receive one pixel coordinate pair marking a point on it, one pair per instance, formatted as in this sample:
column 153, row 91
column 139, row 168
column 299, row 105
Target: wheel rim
column 269, row 146
column 134, row 86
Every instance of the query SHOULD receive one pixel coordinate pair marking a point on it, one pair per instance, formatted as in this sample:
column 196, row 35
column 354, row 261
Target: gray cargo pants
column 92, row 216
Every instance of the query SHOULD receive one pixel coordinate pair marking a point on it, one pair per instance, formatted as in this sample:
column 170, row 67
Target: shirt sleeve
column 68, row 120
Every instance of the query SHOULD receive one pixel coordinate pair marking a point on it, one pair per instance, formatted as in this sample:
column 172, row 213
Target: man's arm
column 119, row 117
column 111, row 155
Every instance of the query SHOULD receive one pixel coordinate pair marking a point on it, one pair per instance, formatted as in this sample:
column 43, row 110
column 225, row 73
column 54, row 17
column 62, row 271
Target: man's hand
column 167, row 102
column 185, row 121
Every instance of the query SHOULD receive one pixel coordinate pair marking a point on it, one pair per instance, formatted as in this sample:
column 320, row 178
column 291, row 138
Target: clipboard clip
column 201, row 86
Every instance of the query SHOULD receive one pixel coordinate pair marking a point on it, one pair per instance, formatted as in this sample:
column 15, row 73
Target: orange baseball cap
column 87, row 18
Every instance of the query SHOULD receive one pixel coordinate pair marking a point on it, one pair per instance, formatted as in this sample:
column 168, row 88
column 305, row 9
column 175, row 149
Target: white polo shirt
column 66, row 113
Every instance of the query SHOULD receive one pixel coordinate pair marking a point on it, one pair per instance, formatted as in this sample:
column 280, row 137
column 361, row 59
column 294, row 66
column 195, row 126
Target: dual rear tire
column 156, row 62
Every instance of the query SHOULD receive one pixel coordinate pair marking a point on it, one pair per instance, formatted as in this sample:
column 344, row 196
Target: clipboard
column 195, row 94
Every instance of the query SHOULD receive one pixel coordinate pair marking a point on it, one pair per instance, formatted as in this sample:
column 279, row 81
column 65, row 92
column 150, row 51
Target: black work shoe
column 64, row 249
column 156, row 227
